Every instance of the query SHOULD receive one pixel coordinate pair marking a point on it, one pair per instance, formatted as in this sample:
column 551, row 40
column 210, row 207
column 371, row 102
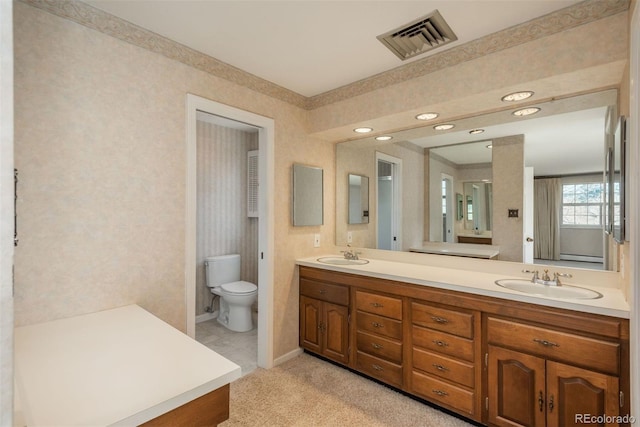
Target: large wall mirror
column 564, row 143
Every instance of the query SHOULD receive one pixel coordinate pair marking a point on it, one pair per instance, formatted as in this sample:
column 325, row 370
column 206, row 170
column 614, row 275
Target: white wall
column 6, row 213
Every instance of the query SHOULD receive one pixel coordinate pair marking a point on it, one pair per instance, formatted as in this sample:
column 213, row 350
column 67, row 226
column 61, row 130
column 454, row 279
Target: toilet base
column 240, row 321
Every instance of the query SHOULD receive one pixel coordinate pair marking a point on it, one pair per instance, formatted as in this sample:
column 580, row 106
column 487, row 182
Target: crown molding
column 564, row 19
column 556, row 22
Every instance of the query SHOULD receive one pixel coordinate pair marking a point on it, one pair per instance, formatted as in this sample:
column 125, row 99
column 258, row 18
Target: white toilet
column 236, row 296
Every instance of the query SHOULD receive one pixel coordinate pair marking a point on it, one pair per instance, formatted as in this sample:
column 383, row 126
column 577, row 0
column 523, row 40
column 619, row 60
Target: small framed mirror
column 358, row 199
column 307, row 195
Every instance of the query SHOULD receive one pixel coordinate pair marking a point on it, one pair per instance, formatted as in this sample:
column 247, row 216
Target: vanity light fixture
column 476, row 131
column 363, row 130
column 526, row 111
column 384, row 138
column 446, row 126
column 517, row 96
column 427, row 116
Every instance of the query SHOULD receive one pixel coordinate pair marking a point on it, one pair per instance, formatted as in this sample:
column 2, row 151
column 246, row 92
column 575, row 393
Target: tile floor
column 239, row 347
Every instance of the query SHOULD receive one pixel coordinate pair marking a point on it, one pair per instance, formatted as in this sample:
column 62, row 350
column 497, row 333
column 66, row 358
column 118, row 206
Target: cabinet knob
column 376, row 346
column 377, row 325
column 440, row 343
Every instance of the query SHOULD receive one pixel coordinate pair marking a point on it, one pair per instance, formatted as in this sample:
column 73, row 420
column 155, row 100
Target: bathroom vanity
column 452, row 338
column 117, row 367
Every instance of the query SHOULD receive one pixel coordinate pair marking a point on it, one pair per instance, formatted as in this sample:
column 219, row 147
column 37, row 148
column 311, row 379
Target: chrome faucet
column 546, row 279
column 350, row 253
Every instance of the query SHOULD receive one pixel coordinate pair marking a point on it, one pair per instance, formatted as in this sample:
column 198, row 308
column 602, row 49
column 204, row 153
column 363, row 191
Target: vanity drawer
column 336, row 294
column 448, row 394
column 442, row 319
column 379, row 304
column 379, row 346
column 443, row 342
column 379, row 325
column 555, row 345
column 444, row 367
column 382, row 370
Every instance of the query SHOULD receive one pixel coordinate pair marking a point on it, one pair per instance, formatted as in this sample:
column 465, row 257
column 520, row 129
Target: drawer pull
column 546, row 343
column 323, row 291
column 541, row 401
column 376, row 345
column 440, row 320
column 440, row 392
column 377, row 305
column 377, row 325
column 377, row 367
column 440, row 367
column 440, row 343
column 551, row 405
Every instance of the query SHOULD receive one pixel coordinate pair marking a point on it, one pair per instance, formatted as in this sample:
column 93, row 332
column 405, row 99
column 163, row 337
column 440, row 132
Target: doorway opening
column 265, row 128
column 388, row 202
column 448, row 207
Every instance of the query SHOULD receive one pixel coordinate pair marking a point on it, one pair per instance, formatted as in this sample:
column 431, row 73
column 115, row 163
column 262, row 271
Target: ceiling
column 313, row 46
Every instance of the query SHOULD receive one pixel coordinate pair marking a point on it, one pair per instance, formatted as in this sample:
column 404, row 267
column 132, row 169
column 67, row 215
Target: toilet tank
column 222, row 269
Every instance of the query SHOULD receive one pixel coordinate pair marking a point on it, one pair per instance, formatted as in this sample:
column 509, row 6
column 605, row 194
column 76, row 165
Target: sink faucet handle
column 557, row 276
column 534, row 272
column 545, row 276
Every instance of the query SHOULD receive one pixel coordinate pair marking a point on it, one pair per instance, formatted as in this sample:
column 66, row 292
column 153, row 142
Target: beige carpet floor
column 306, row 391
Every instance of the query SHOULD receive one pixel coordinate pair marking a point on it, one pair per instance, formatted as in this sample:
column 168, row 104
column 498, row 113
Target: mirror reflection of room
column 451, row 201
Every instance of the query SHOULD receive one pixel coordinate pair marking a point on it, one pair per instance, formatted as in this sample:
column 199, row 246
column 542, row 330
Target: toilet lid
column 240, row 287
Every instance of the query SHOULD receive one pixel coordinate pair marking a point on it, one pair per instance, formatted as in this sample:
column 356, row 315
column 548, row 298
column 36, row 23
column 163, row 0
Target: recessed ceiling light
column 383, row 138
column 526, row 111
column 517, row 96
column 444, row 126
column 363, row 130
column 476, row 131
column 427, row 116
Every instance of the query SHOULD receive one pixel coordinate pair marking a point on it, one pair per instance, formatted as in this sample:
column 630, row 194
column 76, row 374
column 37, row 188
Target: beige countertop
column 472, row 250
column 612, row 303
column 115, row 367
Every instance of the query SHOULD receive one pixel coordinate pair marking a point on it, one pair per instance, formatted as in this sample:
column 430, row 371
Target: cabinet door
column 516, row 387
column 336, row 332
column 575, row 393
column 310, row 324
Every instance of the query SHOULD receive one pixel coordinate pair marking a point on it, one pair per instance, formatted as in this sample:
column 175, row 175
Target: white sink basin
column 564, row 291
column 338, row 260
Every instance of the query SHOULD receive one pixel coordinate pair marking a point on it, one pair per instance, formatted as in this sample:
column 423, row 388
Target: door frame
column 266, row 219
column 396, row 204
column 449, row 221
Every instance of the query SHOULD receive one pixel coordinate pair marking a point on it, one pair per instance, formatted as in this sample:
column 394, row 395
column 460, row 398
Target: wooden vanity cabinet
column 324, row 319
column 539, row 376
column 497, row 362
column 445, row 344
column 379, row 336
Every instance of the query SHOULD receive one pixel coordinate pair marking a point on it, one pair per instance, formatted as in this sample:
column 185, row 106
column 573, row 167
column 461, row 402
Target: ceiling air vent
column 419, row 36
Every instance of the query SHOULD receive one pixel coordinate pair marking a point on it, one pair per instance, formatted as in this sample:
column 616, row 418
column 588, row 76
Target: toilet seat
column 238, row 288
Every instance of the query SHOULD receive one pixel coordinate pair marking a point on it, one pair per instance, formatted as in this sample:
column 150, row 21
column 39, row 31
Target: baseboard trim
column 206, row 316
column 295, row 353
